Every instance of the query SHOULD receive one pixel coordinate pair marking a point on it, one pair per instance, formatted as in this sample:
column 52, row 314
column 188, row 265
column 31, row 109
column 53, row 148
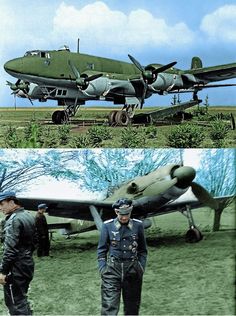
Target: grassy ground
column 21, row 116
column 180, row 278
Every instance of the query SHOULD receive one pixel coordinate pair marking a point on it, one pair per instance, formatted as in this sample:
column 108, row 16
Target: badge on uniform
column 114, row 243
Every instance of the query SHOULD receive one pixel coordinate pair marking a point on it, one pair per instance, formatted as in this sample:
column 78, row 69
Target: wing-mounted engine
column 98, row 87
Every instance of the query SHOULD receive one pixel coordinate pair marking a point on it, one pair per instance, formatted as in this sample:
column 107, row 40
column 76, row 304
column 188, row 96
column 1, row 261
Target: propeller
column 82, row 82
column 20, row 86
column 185, row 176
column 203, row 195
column 149, row 75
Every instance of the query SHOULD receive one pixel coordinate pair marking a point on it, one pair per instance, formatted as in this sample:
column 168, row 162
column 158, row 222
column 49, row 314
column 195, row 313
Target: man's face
column 123, row 219
column 42, row 210
column 7, row 207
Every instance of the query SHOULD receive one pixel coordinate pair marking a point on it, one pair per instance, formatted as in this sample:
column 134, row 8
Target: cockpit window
column 64, row 47
column 37, row 53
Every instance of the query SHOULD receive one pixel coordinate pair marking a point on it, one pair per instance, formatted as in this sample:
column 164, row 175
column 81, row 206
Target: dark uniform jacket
column 41, row 225
column 123, row 242
column 18, row 243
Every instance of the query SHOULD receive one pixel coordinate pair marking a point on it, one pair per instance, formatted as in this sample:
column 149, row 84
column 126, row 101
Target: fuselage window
column 90, row 66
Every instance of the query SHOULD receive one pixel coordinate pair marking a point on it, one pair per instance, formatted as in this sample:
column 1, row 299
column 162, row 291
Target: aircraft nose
column 13, row 66
column 185, row 176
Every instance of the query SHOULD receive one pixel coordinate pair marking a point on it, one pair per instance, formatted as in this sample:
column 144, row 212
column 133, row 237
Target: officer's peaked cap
column 7, row 194
column 43, row 205
column 123, row 206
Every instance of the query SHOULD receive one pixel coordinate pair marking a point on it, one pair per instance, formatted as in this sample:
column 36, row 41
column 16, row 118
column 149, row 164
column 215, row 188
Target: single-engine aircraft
column 159, row 192
column 73, row 78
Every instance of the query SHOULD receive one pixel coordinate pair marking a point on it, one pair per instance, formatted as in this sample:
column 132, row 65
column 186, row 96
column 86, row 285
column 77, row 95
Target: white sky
column 159, row 31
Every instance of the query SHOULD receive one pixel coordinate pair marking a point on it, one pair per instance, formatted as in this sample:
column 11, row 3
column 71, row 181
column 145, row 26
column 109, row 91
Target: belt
column 115, row 259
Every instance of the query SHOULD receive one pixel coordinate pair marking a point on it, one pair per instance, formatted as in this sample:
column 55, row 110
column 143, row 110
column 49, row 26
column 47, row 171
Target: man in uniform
column 17, row 266
column 122, row 271
column 42, row 231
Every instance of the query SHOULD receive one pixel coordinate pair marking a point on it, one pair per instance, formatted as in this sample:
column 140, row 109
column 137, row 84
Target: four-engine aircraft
column 73, row 78
column 162, row 191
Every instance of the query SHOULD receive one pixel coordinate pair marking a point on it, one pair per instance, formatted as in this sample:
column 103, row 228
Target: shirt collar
column 118, row 224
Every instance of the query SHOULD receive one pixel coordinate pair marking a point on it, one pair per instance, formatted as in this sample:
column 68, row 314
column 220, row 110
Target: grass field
column 21, row 116
column 180, row 278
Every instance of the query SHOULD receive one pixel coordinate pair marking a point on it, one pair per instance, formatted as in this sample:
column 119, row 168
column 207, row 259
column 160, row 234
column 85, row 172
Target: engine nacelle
column 98, row 87
column 33, row 91
column 165, row 81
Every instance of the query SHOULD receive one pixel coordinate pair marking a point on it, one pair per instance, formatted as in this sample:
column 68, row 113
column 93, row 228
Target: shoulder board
column 137, row 220
column 109, row 221
column 12, row 215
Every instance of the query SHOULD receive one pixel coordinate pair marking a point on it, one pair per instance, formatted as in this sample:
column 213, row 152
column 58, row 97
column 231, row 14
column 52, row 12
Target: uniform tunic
column 17, row 262
column 123, row 269
column 42, row 235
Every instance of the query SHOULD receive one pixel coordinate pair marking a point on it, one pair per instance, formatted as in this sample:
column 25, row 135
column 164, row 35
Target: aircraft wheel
column 59, row 117
column 193, row 235
column 122, row 118
column 111, row 117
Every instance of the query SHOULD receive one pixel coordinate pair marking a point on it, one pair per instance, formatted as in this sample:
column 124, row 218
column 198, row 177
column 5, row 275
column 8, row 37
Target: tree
column 98, row 170
column 217, row 173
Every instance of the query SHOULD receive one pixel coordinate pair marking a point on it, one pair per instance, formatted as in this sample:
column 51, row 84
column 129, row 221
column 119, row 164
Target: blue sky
column 159, row 31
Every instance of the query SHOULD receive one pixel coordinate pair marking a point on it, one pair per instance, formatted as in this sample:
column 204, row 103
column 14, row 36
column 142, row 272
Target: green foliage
column 186, row 136
column 151, row 131
column 81, row 141
column 218, row 132
column 133, row 138
column 97, row 134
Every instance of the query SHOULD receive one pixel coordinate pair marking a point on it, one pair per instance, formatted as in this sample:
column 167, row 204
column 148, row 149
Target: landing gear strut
column 63, row 117
column 193, row 234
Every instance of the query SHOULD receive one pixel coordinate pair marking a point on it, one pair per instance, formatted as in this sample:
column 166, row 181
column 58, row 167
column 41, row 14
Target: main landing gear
column 193, row 234
column 120, row 118
column 63, row 117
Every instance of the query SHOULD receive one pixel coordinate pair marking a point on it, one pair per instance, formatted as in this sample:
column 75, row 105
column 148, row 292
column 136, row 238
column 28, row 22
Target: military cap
column 43, row 205
column 7, row 194
column 123, row 206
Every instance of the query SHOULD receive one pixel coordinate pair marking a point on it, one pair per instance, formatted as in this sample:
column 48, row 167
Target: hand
column 2, row 279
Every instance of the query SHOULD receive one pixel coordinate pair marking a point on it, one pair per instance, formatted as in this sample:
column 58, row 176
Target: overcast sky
column 158, row 31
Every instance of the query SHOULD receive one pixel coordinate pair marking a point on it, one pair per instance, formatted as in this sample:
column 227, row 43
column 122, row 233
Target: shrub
column 133, row 138
column 218, row 132
column 97, row 134
column 185, row 136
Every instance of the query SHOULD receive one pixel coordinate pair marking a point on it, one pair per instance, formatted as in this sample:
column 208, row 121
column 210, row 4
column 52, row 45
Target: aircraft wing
column 81, row 209
column 70, row 208
column 216, row 73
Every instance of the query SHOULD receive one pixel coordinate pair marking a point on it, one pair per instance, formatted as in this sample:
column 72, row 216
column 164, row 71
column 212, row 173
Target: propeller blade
column 92, row 77
column 74, row 70
column 136, row 63
column 159, row 187
column 165, row 67
column 203, row 195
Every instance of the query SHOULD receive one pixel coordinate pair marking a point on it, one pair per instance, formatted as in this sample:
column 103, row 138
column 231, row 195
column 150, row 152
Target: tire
column 59, row 117
column 193, row 235
column 122, row 118
column 111, row 117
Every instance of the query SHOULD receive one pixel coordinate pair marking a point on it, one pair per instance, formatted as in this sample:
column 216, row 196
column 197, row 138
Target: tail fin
column 196, row 63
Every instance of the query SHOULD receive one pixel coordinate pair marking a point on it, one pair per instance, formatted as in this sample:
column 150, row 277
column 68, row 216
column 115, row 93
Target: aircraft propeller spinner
column 185, row 176
column 149, row 75
column 20, row 86
column 82, row 82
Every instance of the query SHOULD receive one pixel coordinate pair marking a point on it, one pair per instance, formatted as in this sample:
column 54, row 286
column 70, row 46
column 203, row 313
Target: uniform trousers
column 15, row 295
column 121, row 277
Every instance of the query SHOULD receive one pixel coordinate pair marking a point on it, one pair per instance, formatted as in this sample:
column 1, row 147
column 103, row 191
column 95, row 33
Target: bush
column 218, row 132
column 97, row 134
column 133, row 138
column 185, row 136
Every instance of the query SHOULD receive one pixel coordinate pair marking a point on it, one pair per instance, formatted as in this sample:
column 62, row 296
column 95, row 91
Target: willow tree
column 217, row 172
